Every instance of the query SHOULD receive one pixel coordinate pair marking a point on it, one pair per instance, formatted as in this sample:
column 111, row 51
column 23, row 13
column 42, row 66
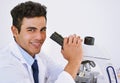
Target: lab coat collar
column 16, row 52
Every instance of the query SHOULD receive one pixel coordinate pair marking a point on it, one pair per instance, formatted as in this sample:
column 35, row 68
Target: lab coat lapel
column 17, row 54
column 42, row 69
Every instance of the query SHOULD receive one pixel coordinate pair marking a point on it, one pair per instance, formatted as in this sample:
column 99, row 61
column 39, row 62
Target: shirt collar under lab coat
column 29, row 59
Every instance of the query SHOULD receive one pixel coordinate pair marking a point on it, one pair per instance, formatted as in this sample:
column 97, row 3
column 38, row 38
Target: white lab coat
column 14, row 68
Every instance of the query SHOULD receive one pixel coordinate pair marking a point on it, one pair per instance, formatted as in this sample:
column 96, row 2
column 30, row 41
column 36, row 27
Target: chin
column 38, row 51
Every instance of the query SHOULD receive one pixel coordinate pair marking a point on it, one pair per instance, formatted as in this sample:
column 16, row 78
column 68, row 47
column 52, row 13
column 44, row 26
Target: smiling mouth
column 37, row 44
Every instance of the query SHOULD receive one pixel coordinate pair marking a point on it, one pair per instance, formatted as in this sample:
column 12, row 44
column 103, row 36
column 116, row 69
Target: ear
column 14, row 31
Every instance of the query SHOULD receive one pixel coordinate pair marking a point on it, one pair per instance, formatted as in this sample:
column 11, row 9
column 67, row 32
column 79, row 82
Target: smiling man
column 32, row 34
column 22, row 61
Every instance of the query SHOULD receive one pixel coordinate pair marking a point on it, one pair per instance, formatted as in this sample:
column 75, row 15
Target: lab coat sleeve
column 65, row 77
column 55, row 71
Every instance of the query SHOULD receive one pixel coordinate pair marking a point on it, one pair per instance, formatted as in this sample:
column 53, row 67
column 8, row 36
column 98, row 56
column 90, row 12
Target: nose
column 40, row 35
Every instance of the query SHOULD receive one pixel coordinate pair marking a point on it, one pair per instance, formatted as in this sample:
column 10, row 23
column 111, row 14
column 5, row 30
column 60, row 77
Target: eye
column 43, row 29
column 31, row 29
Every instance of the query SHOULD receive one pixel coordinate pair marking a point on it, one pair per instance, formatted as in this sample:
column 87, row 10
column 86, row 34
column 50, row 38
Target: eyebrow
column 36, row 28
column 31, row 28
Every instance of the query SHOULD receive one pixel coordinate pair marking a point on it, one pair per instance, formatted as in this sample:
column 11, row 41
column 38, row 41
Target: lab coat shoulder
column 6, row 56
column 11, row 69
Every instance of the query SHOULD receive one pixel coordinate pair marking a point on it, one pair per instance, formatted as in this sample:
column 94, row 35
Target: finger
column 79, row 40
column 70, row 39
column 65, row 40
column 75, row 39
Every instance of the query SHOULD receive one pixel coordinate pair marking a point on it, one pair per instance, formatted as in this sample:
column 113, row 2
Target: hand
column 72, row 52
column 72, row 48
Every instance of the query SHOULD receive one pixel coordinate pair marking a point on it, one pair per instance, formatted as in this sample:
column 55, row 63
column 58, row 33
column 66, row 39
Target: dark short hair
column 27, row 9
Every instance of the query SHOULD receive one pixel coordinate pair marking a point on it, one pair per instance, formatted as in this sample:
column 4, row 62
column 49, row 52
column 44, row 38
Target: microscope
column 95, row 68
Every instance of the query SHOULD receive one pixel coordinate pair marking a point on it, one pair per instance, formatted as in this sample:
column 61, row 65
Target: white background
column 97, row 18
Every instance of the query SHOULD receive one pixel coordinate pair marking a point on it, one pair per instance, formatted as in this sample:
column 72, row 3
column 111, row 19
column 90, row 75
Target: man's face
column 32, row 34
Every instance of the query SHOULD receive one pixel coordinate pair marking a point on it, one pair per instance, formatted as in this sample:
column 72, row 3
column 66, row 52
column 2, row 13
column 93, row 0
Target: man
column 29, row 32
